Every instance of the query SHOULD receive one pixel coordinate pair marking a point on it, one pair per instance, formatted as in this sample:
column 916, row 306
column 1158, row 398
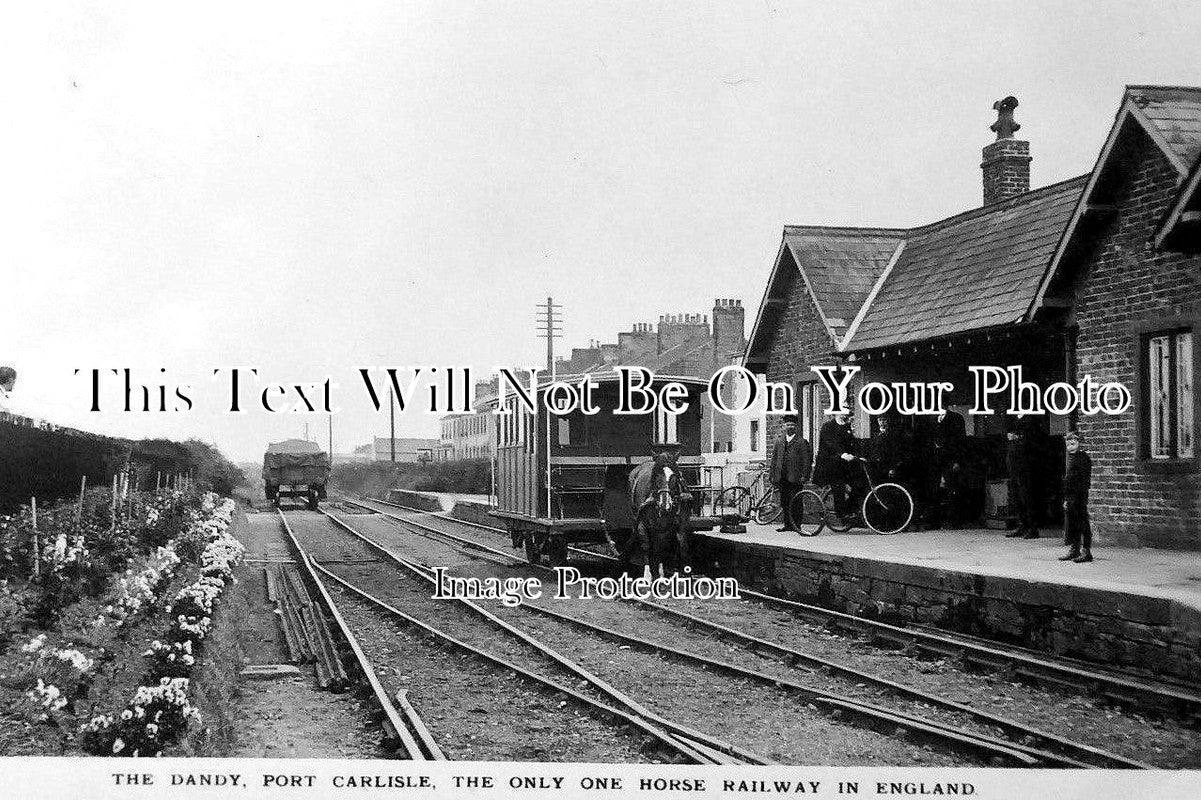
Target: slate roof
column 1175, row 111
column 672, row 355
column 976, row 270
column 841, row 265
column 837, row 265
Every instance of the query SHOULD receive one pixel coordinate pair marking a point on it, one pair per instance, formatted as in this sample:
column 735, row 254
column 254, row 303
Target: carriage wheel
column 312, row 499
column 515, row 537
column 557, row 548
column 533, row 553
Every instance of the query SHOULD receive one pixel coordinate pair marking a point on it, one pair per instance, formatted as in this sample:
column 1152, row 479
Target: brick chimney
column 638, row 343
column 729, row 329
column 1006, row 163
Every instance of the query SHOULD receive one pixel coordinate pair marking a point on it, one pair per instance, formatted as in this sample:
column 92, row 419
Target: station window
column 809, row 411
column 1169, row 391
column 754, row 436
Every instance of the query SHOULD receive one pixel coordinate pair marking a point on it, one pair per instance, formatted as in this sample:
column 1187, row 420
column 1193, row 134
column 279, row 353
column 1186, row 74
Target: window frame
column 1174, row 327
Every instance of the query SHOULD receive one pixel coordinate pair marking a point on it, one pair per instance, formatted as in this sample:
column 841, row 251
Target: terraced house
column 1096, row 275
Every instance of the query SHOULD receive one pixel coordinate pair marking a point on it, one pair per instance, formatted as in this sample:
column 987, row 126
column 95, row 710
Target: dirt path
column 288, row 717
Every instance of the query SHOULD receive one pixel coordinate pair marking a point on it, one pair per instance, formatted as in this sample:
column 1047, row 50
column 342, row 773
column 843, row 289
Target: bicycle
column 760, row 501
column 887, row 508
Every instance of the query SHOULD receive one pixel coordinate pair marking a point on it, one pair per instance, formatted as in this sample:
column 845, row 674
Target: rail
column 396, row 724
column 1066, row 753
column 1120, row 687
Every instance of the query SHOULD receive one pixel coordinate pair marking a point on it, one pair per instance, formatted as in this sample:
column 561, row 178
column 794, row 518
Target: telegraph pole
column 331, row 438
column 392, row 421
column 550, row 318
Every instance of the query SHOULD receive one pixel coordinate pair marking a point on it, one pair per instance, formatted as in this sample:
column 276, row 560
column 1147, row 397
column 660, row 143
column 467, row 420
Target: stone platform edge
column 1106, row 626
column 418, row 500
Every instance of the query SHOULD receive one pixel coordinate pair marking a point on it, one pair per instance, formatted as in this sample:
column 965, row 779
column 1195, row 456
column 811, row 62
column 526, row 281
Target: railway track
column 674, row 741
column 1022, row 743
column 405, row 734
column 1137, row 692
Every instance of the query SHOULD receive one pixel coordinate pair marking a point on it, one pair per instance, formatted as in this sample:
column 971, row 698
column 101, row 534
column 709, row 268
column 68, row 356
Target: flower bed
column 54, row 671
column 161, row 712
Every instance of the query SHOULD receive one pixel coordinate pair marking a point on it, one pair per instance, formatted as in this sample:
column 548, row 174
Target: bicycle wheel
column 808, row 512
column 735, row 500
column 888, row 508
column 768, row 509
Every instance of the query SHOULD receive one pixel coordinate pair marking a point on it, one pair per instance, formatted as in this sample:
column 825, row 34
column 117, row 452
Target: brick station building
column 1128, row 270
column 1095, row 275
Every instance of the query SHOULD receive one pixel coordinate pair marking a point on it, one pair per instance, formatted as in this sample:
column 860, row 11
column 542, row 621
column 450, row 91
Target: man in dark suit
column 837, row 449
column 947, row 471
column 1019, row 457
column 791, row 462
column 889, row 452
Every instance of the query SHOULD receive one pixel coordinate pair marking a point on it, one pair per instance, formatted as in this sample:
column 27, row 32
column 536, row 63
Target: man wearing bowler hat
column 791, row 463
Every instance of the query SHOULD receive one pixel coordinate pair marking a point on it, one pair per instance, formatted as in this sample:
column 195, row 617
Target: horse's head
column 667, row 489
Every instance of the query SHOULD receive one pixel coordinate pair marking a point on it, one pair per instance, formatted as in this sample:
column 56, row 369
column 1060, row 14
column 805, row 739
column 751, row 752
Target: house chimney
column 1006, row 163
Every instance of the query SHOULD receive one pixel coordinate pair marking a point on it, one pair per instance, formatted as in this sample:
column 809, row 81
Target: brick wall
column 1101, row 625
column 1129, row 289
column 798, row 341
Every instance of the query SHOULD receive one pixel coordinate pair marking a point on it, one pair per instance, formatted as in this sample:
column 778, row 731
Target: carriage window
column 665, row 426
column 1169, row 391
column 571, row 429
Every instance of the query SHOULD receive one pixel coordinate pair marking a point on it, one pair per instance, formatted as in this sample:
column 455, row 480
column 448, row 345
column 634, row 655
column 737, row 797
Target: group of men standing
column 933, row 463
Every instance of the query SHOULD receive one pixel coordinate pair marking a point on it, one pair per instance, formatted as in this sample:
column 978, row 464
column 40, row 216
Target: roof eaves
column 843, row 230
column 771, row 282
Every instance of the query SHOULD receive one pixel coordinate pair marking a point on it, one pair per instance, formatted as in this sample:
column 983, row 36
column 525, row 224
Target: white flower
column 126, row 715
column 34, row 644
column 118, row 746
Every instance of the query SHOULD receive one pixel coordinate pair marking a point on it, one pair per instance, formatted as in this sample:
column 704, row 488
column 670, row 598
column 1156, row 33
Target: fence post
column 37, row 546
column 83, row 485
column 113, row 504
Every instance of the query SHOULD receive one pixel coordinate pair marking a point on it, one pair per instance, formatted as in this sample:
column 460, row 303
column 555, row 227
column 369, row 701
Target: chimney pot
column 1006, row 161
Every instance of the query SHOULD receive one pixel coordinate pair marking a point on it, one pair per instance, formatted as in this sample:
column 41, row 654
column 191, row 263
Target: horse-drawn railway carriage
column 563, row 480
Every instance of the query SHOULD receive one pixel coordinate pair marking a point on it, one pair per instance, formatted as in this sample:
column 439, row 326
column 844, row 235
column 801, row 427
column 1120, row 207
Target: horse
column 661, row 505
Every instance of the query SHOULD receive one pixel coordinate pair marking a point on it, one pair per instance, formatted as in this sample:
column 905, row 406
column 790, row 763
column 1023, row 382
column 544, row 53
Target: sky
column 312, row 188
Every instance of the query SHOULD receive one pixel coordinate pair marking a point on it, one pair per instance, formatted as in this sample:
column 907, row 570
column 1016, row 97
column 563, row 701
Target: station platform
column 1135, row 607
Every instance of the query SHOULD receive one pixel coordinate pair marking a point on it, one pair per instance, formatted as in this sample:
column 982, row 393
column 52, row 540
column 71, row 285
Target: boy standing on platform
column 1076, row 479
